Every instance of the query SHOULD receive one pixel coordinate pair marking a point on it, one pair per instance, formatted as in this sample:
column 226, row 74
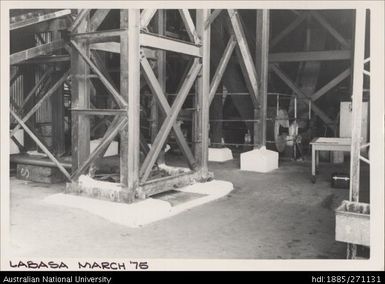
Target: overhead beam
column 49, row 59
column 113, row 47
column 291, row 27
column 39, row 19
column 35, row 51
column 327, row 55
column 164, row 43
column 338, row 79
column 330, row 29
column 98, row 36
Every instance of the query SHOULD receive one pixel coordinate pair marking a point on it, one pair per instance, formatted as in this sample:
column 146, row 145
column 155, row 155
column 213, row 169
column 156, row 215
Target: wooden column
column 359, row 50
column 130, row 91
column 57, row 102
column 262, row 66
column 80, row 98
column 156, row 116
column 203, row 89
column 216, row 113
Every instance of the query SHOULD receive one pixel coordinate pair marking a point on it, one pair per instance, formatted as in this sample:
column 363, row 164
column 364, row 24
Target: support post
column 130, row 90
column 161, row 67
column 359, row 50
column 262, row 66
column 57, row 102
column 80, row 98
column 203, row 90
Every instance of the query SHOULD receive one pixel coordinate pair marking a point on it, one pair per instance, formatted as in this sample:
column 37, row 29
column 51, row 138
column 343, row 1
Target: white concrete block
column 220, row 154
column 259, row 160
column 111, row 151
column 19, row 135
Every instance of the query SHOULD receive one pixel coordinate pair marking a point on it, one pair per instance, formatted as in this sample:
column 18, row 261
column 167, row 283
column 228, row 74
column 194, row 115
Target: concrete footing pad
column 220, row 154
column 145, row 211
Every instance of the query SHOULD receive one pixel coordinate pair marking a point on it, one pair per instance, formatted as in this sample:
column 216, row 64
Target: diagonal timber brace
column 169, row 122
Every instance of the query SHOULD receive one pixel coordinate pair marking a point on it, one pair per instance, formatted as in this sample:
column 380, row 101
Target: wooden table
column 326, row 144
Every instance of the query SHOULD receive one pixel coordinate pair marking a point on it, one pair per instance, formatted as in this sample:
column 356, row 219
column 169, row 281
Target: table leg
column 317, row 162
column 313, row 164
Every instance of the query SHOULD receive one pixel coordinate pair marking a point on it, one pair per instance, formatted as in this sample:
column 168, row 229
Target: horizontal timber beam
column 35, row 51
column 39, row 19
column 99, row 111
column 328, row 55
column 164, row 43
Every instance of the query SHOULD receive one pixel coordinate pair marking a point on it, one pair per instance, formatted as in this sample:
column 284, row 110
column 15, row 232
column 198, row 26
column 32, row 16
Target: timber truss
column 312, row 59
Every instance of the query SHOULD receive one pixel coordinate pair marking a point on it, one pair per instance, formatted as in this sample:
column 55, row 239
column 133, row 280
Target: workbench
column 326, row 144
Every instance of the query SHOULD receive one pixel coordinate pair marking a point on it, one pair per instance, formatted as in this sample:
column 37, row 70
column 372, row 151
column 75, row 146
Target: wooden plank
column 46, row 59
column 328, row 122
column 168, row 123
column 327, row 55
column 39, row 19
column 316, row 15
column 112, row 131
column 189, row 24
column 359, row 49
column 153, row 187
column 164, row 43
column 146, row 16
column 98, row 18
column 201, row 128
column 157, row 90
column 98, row 111
column 98, row 36
column 338, row 79
column 246, row 61
column 118, row 98
column 113, row 47
column 288, row 29
column 59, row 24
column 212, row 17
column 35, row 51
column 262, row 67
column 221, row 67
column 39, row 103
column 83, row 13
column 41, row 146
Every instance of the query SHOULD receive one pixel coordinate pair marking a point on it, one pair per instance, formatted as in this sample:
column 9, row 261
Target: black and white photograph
column 178, row 135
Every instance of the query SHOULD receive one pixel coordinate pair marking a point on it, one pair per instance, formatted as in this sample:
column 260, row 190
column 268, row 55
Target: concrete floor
column 279, row 215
